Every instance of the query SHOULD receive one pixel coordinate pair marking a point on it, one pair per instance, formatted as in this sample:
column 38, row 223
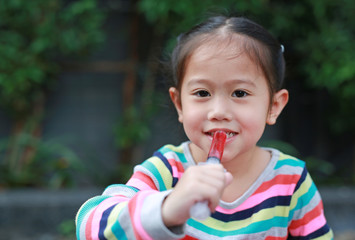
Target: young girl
column 228, row 74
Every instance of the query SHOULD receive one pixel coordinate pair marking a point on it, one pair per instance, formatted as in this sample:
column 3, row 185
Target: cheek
column 254, row 120
column 192, row 117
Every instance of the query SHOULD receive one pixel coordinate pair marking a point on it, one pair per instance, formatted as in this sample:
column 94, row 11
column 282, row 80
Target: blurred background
column 83, row 98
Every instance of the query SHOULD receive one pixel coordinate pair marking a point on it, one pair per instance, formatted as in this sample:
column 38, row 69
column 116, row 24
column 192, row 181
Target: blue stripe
column 153, row 169
column 164, row 160
column 303, row 200
column 181, row 155
column 90, row 204
column 301, row 180
column 167, row 164
column 103, row 222
column 241, row 215
column 320, row 232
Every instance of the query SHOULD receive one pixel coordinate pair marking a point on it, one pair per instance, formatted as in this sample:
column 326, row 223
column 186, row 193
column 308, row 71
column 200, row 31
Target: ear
column 175, row 98
column 279, row 101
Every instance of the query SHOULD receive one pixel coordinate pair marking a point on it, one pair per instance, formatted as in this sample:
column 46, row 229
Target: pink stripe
column 88, row 227
column 141, row 185
column 253, row 200
column 176, row 172
column 310, row 227
column 104, row 205
column 137, row 214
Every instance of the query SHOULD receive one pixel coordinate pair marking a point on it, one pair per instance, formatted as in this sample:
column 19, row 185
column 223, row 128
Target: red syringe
column 201, row 210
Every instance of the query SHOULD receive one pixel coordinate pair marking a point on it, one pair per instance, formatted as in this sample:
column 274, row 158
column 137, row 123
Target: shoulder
column 169, row 153
column 295, row 170
column 164, row 167
column 284, row 169
column 172, row 155
column 172, row 151
column 286, row 162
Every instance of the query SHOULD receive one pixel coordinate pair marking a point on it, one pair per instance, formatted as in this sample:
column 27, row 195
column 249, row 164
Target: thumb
column 228, row 178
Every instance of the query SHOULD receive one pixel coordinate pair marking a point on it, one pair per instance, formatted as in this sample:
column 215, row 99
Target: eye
column 202, row 93
column 239, row 93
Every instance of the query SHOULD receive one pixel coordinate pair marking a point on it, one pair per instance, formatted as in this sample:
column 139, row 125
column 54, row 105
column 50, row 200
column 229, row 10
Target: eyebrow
column 229, row 82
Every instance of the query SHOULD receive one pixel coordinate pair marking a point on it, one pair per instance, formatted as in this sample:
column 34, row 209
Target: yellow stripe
column 163, row 171
column 262, row 215
column 178, row 149
column 285, row 157
column 112, row 219
column 300, row 191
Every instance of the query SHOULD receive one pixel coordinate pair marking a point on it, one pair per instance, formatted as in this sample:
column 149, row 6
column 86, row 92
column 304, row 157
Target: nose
column 220, row 110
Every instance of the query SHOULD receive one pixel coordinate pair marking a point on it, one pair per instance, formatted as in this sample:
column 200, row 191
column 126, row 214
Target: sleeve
column 307, row 213
column 132, row 210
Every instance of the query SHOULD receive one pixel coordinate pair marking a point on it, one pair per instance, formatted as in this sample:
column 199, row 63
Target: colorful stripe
column 134, row 207
column 283, row 203
column 114, row 230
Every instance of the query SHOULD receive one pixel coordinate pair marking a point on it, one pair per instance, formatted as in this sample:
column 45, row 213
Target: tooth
column 230, row 134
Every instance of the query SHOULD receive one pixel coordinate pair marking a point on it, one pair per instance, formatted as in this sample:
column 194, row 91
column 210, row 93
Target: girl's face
column 223, row 89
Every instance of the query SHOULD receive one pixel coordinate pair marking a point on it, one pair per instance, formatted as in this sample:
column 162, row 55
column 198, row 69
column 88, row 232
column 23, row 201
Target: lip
column 230, row 133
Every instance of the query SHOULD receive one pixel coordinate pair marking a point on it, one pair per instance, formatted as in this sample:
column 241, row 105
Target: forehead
column 214, row 66
column 216, row 50
column 222, row 48
column 226, row 44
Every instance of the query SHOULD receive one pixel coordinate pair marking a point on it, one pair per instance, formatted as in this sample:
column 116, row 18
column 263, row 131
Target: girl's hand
column 198, row 183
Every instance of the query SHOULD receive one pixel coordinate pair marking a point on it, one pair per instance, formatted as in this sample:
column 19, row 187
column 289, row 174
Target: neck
column 247, row 162
column 253, row 160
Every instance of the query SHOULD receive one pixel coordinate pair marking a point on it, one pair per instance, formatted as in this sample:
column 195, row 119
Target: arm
column 132, row 210
column 306, row 211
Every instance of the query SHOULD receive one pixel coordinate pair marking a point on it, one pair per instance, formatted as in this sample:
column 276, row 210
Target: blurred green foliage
column 133, row 127
column 67, row 229
column 47, row 164
column 34, row 35
column 318, row 38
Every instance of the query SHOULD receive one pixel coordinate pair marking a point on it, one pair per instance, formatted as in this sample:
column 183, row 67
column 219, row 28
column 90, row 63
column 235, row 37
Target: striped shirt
column 283, row 203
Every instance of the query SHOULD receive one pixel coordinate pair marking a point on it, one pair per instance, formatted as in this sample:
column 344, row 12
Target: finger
column 212, row 171
column 228, row 177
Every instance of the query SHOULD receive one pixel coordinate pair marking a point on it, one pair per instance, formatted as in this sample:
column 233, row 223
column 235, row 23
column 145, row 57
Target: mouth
column 228, row 133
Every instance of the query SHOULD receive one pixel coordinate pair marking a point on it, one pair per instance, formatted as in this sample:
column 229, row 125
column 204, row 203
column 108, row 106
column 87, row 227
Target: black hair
column 257, row 42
